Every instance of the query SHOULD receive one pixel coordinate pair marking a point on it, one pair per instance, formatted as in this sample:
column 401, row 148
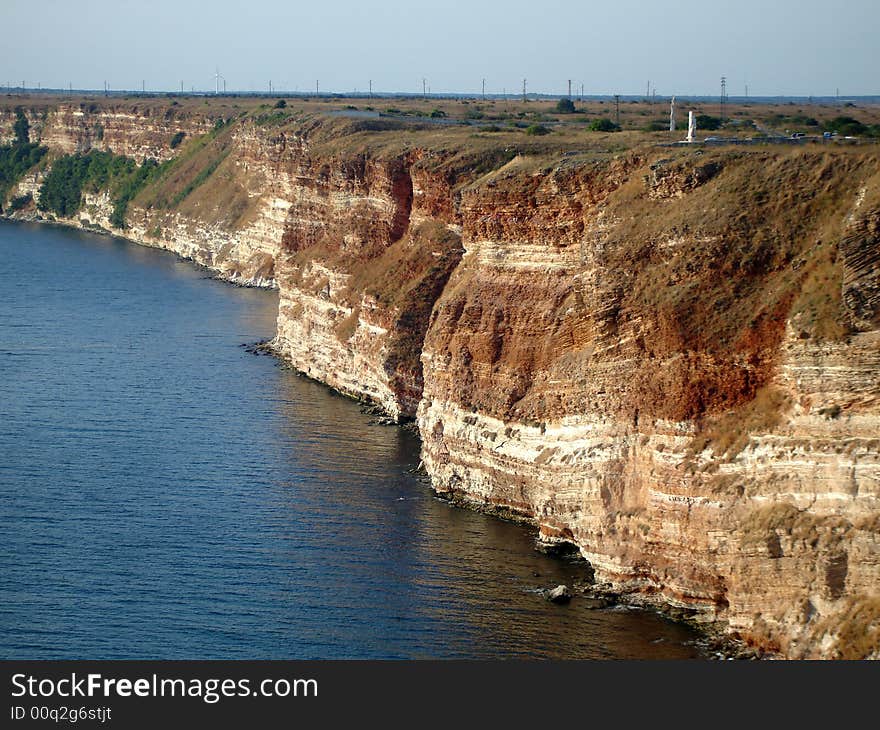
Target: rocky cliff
column 668, row 359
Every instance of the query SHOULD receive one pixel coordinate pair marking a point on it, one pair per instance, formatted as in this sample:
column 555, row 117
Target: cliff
column 667, row 358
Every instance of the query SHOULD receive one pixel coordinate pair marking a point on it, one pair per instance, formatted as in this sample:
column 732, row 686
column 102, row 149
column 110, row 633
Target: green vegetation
column 437, row 114
column 565, row 106
column 21, row 201
column 657, row 125
column 19, row 157
column 21, row 127
column 849, row 127
column 177, row 139
column 537, row 129
column 704, row 121
column 70, row 175
column 280, row 104
column 603, row 125
column 272, row 119
column 796, row 120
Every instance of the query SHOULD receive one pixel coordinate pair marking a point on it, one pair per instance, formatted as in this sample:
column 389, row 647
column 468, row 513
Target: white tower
column 692, row 126
column 672, row 115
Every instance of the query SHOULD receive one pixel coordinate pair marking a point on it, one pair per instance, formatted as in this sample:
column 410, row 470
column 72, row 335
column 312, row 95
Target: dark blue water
column 164, row 494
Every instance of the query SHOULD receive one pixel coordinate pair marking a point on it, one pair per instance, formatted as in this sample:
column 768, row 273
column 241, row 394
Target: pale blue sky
column 616, row 46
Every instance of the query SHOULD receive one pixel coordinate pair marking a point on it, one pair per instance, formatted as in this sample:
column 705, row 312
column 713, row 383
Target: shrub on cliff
column 22, row 201
column 15, row 160
column 21, row 127
column 121, row 176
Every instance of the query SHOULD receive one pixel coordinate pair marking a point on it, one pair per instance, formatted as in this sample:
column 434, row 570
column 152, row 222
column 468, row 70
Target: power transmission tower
column 617, row 107
column 371, row 88
column 723, row 96
column 424, row 87
column 569, row 88
column 524, row 89
column 484, row 89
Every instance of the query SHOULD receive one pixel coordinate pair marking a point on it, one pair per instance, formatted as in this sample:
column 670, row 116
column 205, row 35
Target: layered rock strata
column 681, row 381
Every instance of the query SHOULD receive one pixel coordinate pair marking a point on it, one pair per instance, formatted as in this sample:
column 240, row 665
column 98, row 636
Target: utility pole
column 582, row 92
column 484, row 89
column 524, row 89
column 672, row 115
column 317, row 93
column 569, row 88
column 648, row 92
column 617, row 106
column 143, row 86
column 723, row 96
column 181, row 86
column 371, row 88
column 424, row 87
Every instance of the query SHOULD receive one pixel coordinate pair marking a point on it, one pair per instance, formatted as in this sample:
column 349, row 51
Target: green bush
column 21, row 127
column 847, row 126
column 21, row 201
column 657, row 125
column 565, row 106
column 537, row 129
column 437, row 114
column 704, row 121
column 15, row 160
column 603, row 125
column 63, row 186
column 177, row 139
column 280, row 104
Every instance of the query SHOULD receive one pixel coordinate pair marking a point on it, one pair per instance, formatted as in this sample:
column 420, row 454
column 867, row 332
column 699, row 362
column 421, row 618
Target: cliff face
column 674, row 366
column 126, row 129
column 668, row 359
column 366, row 255
column 233, row 224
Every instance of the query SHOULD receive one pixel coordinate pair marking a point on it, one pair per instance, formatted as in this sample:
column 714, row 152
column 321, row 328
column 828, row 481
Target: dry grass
column 346, row 327
column 857, row 629
column 728, row 433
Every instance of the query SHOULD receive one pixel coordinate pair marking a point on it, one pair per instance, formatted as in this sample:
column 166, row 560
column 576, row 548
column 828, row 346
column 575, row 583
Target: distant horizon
column 378, row 94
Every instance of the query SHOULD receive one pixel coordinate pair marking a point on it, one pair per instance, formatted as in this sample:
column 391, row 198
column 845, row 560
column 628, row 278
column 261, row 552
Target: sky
column 683, row 47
